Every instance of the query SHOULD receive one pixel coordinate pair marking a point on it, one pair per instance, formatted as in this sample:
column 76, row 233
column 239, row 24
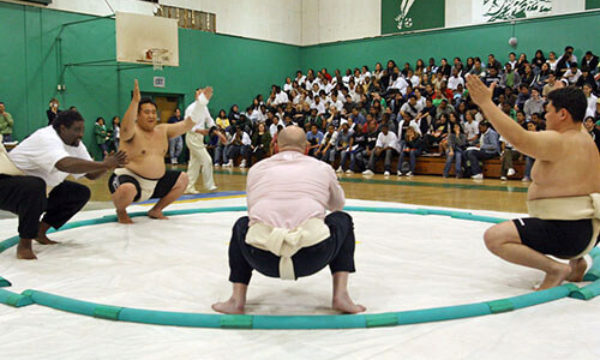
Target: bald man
column 286, row 233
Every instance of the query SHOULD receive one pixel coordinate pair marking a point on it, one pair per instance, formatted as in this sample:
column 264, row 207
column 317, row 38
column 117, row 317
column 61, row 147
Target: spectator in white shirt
column 454, row 80
column 288, row 84
column 572, row 74
column 387, row 145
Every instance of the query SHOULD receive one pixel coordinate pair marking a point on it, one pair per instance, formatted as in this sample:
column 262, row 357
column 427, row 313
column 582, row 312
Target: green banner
column 592, row 4
column 408, row 15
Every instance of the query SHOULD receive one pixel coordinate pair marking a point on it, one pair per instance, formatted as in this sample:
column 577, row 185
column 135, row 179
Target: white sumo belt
column 286, row 242
column 570, row 208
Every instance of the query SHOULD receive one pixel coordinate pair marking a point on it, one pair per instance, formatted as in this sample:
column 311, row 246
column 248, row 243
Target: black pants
column 26, row 197
column 337, row 251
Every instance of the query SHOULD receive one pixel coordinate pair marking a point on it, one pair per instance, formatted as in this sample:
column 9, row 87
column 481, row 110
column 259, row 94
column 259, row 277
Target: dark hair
column 571, row 99
column 146, row 100
column 67, row 118
column 99, row 118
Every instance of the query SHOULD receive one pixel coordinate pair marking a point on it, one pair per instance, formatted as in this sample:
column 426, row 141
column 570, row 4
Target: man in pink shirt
column 286, row 233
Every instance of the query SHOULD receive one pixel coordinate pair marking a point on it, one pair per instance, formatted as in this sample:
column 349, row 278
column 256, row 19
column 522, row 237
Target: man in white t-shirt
column 41, row 162
column 387, row 145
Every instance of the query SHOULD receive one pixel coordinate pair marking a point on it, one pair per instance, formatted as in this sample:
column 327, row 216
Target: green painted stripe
column 516, row 189
column 236, row 321
column 385, row 319
column 500, row 306
column 107, row 312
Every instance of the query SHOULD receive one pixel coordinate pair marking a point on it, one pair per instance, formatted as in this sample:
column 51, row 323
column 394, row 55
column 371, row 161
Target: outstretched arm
column 543, row 145
column 198, row 114
column 91, row 169
column 128, row 122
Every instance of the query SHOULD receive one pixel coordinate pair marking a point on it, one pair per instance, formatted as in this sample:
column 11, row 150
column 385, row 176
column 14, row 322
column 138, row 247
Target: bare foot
column 43, row 239
column 123, row 217
column 25, row 252
column 578, row 268
column 346, row 305
column 228, row 307
column 157, row 214
column 555, row 277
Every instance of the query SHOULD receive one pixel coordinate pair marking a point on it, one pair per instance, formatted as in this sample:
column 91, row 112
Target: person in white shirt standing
column 200, row 159
column 42, row 161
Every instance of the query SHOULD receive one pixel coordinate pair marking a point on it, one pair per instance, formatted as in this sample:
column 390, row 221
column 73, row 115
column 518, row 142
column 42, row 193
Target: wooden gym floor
column 487, row 194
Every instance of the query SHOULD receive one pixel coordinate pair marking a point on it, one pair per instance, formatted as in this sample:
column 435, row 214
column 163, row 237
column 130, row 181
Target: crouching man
column 286, row 233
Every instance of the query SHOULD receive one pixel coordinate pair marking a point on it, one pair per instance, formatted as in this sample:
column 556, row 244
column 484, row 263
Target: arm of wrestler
column 200, row 112
column 91, row 169
column 128, row 122
column 543, row 145
column 336, row 193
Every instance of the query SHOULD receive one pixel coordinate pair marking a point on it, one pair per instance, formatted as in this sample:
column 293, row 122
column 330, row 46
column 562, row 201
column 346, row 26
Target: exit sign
column 159, row 81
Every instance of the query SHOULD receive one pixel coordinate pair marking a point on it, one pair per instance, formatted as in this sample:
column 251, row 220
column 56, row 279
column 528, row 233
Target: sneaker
column 386, row 173
column 349, row 172
column 217, row 165
column 477, row 177
column 243, row 164
column 191, row 190
column 399, row 173
column 367, row 172
column 409, row 173
column 525, row 179
column 511, row 172
column 174, row 161
column 339, row 170
column 503, row 178
column 212, row 188
column 229, row 164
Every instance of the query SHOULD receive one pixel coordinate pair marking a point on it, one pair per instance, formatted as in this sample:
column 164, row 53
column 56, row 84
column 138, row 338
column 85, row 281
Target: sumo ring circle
column 116, row 313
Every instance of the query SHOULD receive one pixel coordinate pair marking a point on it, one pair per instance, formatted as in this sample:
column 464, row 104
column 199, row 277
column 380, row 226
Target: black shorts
column 560, row 238
column 163, row 187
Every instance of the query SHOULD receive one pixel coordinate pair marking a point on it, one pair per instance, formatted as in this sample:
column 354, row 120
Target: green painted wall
column 30, row 70
column 549, row 34
column 237, row 68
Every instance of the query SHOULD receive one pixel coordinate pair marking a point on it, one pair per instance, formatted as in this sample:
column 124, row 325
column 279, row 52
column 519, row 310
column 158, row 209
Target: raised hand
column 136, row 91
column 208, row 92
column 478, row 91
column 114, row 160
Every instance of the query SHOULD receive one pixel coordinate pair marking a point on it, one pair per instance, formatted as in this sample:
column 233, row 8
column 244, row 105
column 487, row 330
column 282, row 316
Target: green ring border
column 116, row 313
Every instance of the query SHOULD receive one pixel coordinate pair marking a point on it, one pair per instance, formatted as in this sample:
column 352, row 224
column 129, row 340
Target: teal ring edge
column 297, row 321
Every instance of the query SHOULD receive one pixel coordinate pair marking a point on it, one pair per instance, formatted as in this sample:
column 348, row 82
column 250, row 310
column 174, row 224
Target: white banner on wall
column 471, row 12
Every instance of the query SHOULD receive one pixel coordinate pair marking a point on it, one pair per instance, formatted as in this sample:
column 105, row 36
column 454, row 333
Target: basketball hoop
column 157, row 56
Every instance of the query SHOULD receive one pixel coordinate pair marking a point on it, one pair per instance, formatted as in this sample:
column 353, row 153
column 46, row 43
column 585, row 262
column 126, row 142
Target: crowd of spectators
column 361, row 115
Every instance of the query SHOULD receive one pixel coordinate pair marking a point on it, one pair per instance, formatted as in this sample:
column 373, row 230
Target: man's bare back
column 576, row 172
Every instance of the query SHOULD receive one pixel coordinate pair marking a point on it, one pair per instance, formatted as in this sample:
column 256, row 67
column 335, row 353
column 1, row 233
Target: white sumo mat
column 403, row 262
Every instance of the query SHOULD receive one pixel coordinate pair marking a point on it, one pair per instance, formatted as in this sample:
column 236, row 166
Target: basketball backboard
column 138, row 35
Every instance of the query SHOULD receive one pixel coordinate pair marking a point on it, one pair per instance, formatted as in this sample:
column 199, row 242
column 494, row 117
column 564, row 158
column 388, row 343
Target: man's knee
column 80, row 192
column 126, row 190
column 183, row 180
column 241, row 225
column 500, row 234
column 35, row 186
column 340, row 218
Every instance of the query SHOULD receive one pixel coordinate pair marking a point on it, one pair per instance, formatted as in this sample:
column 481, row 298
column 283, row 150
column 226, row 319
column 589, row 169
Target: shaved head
column 292, row 138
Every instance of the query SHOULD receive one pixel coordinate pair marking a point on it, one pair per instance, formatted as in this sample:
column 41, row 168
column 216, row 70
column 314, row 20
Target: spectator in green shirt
column 6, row 124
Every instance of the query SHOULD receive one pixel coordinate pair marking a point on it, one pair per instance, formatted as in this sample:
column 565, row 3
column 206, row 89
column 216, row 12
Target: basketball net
column 157, row 56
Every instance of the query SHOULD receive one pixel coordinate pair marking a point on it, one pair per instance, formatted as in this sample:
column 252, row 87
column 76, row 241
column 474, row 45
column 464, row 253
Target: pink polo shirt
column 289, row 188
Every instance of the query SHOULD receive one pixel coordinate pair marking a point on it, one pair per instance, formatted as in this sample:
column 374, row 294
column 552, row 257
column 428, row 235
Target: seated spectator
column 590, row 60
column 240, row 144
column 528, row 159
column 314, row 138
column 454, row 80
column 573, row 74
column 489, row 148
column 387, row 145
column 552, row 84
column 507, row 155
column 438, row 133
column 587, row 78
column 6, row 124
column 221, row 149
column 260, row 146
column 327, row 146
column 541, row 78
column 358, row 145
column 101, row 136
column 413, row 145
column 535, row 104
column 492, row 77
column 457, row 143
column 343, row 145
column 510, row 79
column 471, row 128
column 594, row 133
